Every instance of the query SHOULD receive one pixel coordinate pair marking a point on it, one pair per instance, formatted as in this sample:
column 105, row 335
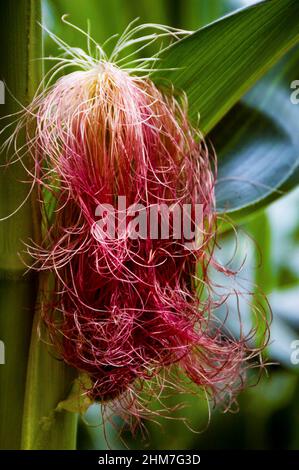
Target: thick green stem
column 27, row 405
column 16, row 305
column 20, row 42
column 48, row 383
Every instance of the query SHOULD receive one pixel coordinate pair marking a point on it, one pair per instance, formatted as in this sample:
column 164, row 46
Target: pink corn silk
column 125, row 309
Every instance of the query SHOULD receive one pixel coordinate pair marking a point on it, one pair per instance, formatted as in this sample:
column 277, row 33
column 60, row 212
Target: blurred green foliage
column 268, row 416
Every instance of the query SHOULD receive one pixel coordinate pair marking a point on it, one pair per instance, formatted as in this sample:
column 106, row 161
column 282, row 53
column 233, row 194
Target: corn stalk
column 32, row 381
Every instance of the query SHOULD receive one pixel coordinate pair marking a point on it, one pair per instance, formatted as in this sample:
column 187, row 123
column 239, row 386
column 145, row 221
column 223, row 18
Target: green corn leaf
column 257, row 141
column 258, row 144
column 216, row 65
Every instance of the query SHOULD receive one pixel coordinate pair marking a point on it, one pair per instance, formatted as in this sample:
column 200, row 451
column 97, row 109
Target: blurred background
column 268, row 414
